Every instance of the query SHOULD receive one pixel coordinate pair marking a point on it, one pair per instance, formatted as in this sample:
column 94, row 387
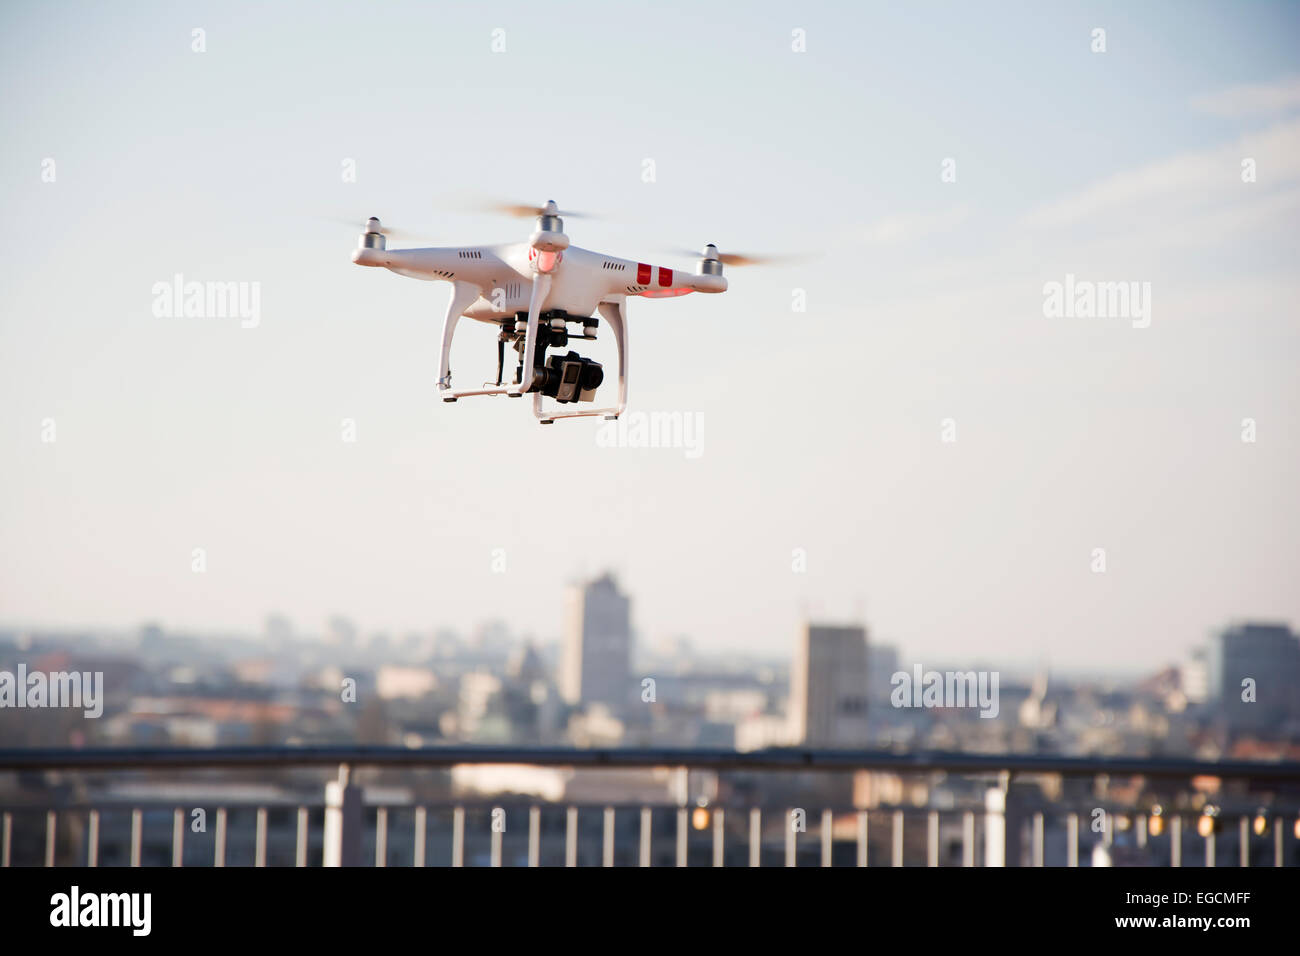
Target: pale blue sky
column 821, row 429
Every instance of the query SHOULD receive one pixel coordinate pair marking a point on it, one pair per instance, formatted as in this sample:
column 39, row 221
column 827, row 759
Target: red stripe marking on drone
column 665, row 277
column 642, row 274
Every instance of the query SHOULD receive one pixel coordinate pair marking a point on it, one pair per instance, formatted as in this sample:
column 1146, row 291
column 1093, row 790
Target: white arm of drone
column 699, row 283
column 660, row 282
column 463, row 295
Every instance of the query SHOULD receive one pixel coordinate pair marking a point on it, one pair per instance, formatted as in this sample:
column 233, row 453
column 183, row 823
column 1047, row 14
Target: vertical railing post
column 719, row 835
column 755, row 836
column 571, row 837
column 791, row 851
column 1243, row 830
column 421, row 836
column 968, row 838
column 458, row 837
column 1037, row 840
column 178, row 837
column 896, row 847
column 92, row 839
column 995, row 827
column 683, row 835
column 862, row 838
column 137, row 835
column 683, row 816
column 932, row 839
column 343, row 821
column 607, row 841
column 1176, row 841
column 828, row 824
column 51, row 825
column 1072, row 840
column 381, row 837
column 219, row 848
column 300, row 844
column 534, row 836
column 645, row 837
column 498, row 828
column 259, row 839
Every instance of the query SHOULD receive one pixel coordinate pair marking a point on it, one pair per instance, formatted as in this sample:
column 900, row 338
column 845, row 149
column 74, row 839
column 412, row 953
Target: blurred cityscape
column 1233, row 697
column 597, row 686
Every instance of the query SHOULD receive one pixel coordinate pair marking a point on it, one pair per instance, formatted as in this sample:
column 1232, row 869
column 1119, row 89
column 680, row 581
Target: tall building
column 598, row 646
column 882, row 665
column 828, row 687
column 1267, row 655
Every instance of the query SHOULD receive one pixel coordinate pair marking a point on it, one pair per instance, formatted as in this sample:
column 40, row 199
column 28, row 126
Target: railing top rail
column 786, row 759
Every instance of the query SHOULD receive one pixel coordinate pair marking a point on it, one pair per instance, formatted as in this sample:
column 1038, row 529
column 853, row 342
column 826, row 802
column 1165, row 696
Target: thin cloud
column 1188, row 179
column 909, row 228
column 1279, row 96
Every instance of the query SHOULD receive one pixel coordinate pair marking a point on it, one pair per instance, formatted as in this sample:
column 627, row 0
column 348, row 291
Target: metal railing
column 1004, row 823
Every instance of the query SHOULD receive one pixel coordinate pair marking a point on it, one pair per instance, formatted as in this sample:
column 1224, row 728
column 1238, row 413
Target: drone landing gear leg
column 463, row 295
column 615, row 313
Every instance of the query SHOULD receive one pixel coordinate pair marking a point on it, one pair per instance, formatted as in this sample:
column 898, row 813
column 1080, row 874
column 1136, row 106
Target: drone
column 542, row 294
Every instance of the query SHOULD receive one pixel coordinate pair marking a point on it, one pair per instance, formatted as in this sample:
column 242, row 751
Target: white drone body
column 533, row 291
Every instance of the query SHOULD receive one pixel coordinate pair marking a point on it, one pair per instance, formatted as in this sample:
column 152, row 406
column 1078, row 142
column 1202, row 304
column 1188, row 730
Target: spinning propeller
column 373, row 225
column 733, row 258
column 524, row 211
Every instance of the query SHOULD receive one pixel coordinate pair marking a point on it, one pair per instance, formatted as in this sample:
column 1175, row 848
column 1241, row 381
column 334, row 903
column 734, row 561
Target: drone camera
column 572, row 378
